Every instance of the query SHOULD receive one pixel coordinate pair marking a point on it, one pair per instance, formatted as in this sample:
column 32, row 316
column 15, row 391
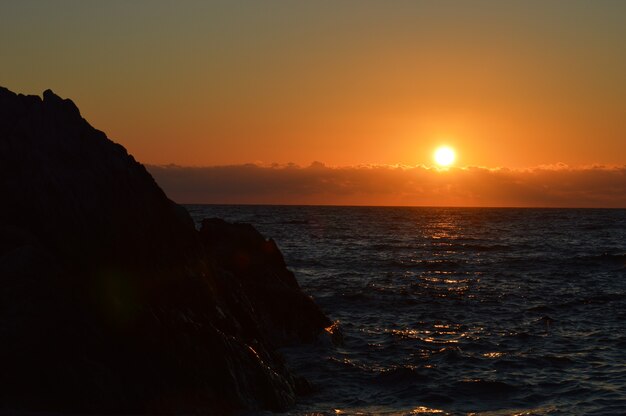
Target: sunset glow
column 444, row 156
column 517, row 85
column 200, row 199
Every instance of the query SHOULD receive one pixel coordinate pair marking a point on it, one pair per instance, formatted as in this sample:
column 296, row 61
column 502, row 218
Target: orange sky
column 508, row 84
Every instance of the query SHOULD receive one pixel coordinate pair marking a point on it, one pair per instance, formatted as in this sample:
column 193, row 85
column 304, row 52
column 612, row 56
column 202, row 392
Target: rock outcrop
column 111, row 301
column 258, row 268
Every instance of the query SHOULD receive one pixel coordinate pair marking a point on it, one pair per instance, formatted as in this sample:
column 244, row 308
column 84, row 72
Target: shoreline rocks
column 111, row 301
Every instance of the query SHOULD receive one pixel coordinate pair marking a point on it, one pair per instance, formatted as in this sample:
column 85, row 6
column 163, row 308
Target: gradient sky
column 512, row 84
column 509, row 84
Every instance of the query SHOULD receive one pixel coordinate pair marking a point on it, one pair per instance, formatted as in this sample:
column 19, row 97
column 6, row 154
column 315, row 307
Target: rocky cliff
column 110, row 299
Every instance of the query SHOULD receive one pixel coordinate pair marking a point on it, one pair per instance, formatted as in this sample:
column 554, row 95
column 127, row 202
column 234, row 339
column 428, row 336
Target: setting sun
column 444, row 156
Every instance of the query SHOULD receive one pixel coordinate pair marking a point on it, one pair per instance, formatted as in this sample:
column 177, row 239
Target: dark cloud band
column 553, row 186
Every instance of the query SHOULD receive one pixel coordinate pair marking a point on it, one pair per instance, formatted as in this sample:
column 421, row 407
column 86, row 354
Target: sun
column 444, row 156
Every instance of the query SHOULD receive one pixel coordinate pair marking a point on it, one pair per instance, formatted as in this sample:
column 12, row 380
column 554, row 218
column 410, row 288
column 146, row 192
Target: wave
column 401, row 375
column 607, row 259
column 480, row 387
column 464, row 311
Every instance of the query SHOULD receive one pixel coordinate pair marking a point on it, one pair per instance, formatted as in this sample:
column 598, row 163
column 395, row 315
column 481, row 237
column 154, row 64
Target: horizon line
column 402, row 206
column 321, row 165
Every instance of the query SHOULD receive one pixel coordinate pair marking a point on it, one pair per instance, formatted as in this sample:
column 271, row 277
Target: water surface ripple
column 457, row 310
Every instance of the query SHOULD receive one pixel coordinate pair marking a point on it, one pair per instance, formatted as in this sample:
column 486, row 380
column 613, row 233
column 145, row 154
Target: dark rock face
column 111, row 301
column 259, row 269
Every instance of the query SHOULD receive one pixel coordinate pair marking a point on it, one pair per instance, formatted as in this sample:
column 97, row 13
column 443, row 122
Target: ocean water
column 457, row 310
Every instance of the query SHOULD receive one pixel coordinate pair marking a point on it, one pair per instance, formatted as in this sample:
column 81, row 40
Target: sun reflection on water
column 425, row 410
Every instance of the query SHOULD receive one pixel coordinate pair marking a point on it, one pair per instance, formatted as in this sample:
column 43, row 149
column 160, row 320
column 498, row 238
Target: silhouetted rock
column 282, row 310
column 111, row 301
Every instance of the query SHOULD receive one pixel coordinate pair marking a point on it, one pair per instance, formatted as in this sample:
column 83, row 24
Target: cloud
column 544, row 186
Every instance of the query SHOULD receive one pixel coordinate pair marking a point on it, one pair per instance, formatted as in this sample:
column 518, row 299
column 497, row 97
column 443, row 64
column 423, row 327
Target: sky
column 216, row 87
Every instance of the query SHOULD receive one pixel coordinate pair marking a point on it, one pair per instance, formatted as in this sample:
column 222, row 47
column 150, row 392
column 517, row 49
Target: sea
column 456, row 311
